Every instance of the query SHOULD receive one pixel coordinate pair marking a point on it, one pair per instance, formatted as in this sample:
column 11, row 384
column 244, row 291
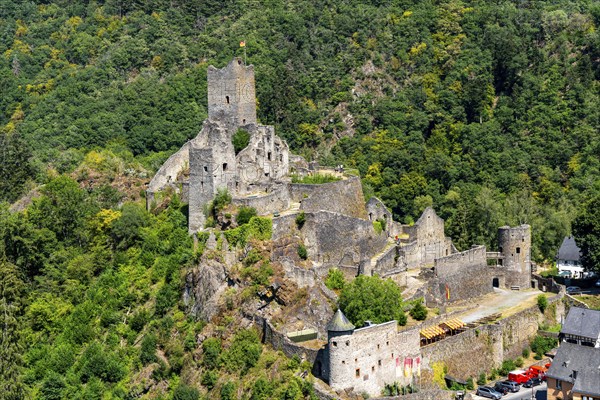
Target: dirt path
column 501, row 301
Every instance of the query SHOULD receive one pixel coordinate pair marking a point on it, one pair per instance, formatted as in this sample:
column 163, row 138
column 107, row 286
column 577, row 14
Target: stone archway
column 496, row 282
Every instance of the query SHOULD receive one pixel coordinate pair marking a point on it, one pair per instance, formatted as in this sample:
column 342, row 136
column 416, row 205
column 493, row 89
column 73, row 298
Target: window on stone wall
column 357, row 372
column 334, row 344
column 347, row 343
column 244, row 121
column 227, row 99
column 387, row 343
column 392, row 355
column 205, row 168
column 224, row 167
column 343, row 362
column 356, row 360
column 518, row 250
column 269, row 156
column 559, row 384
column 281, row 157
column 378, row 346
column 373, row 368
column 379, row 363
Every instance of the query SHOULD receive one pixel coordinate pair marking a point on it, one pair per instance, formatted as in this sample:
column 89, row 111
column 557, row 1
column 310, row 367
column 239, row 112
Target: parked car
column 533, row 382
column 573, row 289
column 597, row 283
column 486, row 391
column 509, row 385
column 498, row 387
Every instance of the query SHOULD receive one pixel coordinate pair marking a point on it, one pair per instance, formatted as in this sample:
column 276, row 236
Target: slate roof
column 339, row 323
column 582, row 359
column 569, row 250
column 582, row 322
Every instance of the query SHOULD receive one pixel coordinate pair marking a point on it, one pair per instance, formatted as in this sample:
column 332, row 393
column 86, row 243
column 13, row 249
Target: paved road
column 523, row 394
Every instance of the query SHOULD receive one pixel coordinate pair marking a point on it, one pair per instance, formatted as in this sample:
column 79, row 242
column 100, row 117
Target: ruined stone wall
column 344, row 197
column 231, row 91
column 266, row 158
column 376, row 210
column 461, row 263
column 334, row 239
column 202, row 186
column 466, row 354
column 277, row 200
column 370, row 357
column 431, row 240
column 471, row 284
column 410, row 255
column 169, row 171
column 485, row 347
column 461, row 276
column 387, row 261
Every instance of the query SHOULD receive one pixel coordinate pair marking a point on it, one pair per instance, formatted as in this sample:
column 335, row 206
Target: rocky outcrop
column 204, row 285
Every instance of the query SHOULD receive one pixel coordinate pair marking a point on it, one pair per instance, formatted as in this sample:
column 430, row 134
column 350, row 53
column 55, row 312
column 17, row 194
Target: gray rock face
column 203, row 288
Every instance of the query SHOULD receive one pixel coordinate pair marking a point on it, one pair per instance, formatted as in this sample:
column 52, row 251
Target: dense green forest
column 487, row 110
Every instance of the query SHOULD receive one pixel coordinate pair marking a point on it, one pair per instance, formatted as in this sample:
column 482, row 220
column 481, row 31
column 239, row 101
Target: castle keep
column 211, row 158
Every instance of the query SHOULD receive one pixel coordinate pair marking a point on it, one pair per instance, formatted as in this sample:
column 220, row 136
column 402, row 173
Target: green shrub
column 379, row 225
column 507, row 366
column 209, row 379
column 541, row 345
column 315, row 179
column 542, row 302
column 240, row 140
column 493, row 374
column 419, row 311
column 243, row 353
column 245, row 214
column 185, row 392
column 519, row 362
column 300, row 219
column 259, row 228
column 471, row 383
column 148, row 349
column 138, row 320
column 482, row 379
column 211, row 348
column 228, row 391
column 335, row 279
column 302, row 253
column 526, row 352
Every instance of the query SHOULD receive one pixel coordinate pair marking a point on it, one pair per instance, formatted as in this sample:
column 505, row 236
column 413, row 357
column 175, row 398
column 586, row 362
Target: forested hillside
column 487, row 110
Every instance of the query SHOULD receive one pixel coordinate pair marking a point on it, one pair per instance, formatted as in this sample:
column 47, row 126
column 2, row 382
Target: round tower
column 339, row 331
column 514, row 244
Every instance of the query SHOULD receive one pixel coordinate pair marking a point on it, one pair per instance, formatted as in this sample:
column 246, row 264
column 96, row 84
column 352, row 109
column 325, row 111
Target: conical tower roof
column 339, row 323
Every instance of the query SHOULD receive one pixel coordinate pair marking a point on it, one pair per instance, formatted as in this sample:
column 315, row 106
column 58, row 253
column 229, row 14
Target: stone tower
column 338, row 350
column 231, row 94
column 515, row 247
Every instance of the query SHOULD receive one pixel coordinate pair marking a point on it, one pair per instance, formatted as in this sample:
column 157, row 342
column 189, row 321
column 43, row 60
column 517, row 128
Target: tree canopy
column 370, row 298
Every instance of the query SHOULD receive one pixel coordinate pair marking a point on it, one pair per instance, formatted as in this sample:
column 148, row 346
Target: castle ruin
column 255, row 171
column 339, row 231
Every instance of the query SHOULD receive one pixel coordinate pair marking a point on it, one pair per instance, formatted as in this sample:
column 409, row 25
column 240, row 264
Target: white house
column 568, row 258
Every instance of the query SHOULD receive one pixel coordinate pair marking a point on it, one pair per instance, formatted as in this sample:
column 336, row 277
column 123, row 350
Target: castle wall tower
column 515, row 248
column 232, row 94
column 337, row 328
column 202, row 186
